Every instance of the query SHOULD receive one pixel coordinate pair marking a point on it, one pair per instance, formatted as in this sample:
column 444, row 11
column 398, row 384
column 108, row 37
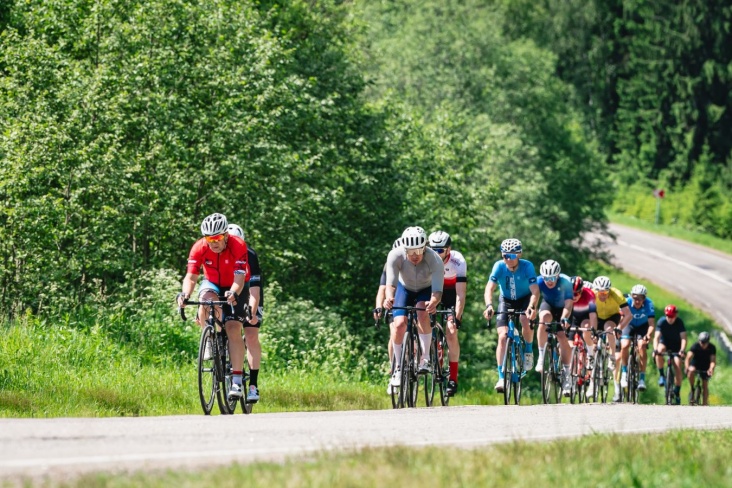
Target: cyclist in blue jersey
column 643, row 323
column 556, row 289
column 516, row 279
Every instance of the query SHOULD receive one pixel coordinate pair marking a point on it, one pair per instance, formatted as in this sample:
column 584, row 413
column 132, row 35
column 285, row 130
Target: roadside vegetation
column 677, row 458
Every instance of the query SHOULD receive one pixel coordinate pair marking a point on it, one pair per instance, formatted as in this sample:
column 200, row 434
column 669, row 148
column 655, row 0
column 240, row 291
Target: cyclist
column 584, row 313
column 414, row 277
column 223, row 258
column 610, row 302
column 670, row 337
column 516, row 279
column 379, row 307
column 252, row 326
column 702, row 359
column 453, row 295
column 642, row 323
column 556, row 289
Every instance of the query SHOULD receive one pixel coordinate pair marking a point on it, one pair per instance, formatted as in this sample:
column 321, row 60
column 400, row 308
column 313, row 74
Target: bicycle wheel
column 594, row 393
column 508, row 361
column 602, row 376
column 697, row 393
column 395, row 389
column 669, row 388
column 633, row 380
column 223, row 374
column 584, row 377
column 430, row 379
column 206, row 375
column 574, row 372
column 413, row 367
column 547, row 383
column 443, row 360
column 404, row 380
column 520, row 347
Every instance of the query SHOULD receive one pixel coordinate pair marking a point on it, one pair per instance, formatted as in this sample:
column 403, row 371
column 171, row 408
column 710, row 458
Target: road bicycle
column 579, row 373
column 439, row 357
column 214, row 363
column 551, row 373
column 669, row 395
column 696, row 396
column 512, row 363
column 601, row 368
column 406, row 394
column 631, row 393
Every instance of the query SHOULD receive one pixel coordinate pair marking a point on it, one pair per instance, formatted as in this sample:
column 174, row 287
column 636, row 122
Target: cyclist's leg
column 254, row 355
column 589, row 339
column 453, row 349
column 642, row 351
column 502, row 330
column 207, row 291
column 660, row 360
column 691, row 375
column 423, row 324
column 545, row 315
column 705, row 389
column 527, row 332
column 399, row 325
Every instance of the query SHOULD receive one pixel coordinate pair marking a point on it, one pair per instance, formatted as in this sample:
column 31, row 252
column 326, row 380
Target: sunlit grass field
column 673, row 459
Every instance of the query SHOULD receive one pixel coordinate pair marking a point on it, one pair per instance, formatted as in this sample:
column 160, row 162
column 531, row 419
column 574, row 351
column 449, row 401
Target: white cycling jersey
column 456, row 269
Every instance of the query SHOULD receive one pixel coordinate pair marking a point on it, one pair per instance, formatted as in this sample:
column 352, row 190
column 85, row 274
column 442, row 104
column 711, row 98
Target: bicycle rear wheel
column 404, row 379
column 206, row 374
column 601, row 376
column 520, row 347
column 547, row 383
column 443, row 368
column 574, row 372
column 430, row 379
column 697, row 392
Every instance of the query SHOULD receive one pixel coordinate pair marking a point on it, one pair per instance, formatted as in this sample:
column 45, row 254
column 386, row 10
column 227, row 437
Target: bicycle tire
column 697, row 392
column 444, row 365
column 603, row 375
column 582, row 377
column 574, row 376
column 414, row 366
column 633, row 379
column 430, row 382
column 520, row 348
column 395, row 389
column 507, row 371
column 546, row 374
column 669, row 385
column 206, row 372
column 596, row 376
column 406, row 360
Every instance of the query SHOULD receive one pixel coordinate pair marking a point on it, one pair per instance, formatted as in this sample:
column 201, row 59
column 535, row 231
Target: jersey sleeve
column 530, row 272
column 256, row 278
column 392, row 267
column 195, row 258
column 651, row 309
column 495, row 272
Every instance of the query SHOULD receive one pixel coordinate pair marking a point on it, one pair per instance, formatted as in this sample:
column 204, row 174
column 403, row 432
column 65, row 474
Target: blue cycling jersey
column 557, row 295
column 641, row 315
column 514, row 285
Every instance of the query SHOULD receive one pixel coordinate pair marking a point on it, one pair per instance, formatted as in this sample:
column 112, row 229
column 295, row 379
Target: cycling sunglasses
column 638, row 297
column 551, row 279
column 415, row 252
column 439, row 250
column 509, row 255
column 216, row 238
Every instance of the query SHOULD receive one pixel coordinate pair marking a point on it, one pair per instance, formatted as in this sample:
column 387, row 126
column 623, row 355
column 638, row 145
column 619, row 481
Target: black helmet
column 704, row 337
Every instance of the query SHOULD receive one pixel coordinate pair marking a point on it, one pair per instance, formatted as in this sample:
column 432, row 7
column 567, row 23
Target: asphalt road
column 701, row 275
column 59, row 448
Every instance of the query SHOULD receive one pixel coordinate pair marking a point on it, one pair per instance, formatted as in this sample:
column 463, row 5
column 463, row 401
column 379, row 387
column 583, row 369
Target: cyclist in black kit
column 701, row 360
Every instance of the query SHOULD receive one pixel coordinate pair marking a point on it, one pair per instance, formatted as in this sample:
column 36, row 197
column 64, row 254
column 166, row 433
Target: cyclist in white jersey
column 453, row 295
column 414, row 277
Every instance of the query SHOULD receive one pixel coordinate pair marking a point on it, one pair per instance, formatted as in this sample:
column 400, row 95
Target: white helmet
column 602, row 283
column 214, row 225
column 235, row 230
column 440, row 239
column 639, row 290
column 550, row 268
column 397, row 243
column 414, row 238
column 511, row 245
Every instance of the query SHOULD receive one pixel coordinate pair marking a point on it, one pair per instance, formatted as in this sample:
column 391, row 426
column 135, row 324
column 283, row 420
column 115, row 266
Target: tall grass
column 678, row 458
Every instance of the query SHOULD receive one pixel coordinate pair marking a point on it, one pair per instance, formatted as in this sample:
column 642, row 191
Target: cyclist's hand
column 253, row 320
column 488, row 312
column 458, row 322
column 230, row 297
column 431, row 307
column 388, row 303
column 181, row 299
column 531, row 313
column 377, row 313
column 565, row 322
column 710, row 372
column 682, row 354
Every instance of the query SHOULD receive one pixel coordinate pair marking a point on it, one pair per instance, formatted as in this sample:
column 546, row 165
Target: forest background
column 324, row 129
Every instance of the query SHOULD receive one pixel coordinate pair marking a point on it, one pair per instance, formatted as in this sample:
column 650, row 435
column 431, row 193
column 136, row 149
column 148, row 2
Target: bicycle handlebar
column 210, row 303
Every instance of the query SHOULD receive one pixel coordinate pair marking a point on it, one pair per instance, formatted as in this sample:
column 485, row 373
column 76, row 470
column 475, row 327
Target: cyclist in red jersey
column 226, row 275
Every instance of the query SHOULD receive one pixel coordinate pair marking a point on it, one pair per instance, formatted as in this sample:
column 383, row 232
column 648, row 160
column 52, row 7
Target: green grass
column 724, row 245
column 673, row 459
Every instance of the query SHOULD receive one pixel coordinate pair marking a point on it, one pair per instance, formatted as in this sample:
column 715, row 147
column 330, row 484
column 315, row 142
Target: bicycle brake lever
column 182, row 313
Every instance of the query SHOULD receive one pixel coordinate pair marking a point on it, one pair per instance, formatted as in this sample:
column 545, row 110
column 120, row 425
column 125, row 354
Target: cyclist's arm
column 687, row 363
column 460, row 292
column 593, row 320
column 189, row 284
column 657, row 340
column 237, row 287
column 651, row 327
column 567, row 310
column 380, row 295
column 435, row 298
column 683, row 342
column 254, row 297
column 534, row 300
column 627, row 316
column 490, row 287
column 712, row 364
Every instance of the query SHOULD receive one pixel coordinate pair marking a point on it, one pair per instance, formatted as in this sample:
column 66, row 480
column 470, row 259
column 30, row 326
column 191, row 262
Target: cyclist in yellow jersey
column 610, row 303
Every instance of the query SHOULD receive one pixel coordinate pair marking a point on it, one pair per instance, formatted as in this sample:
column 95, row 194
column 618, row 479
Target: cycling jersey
column 642, row 314
column 670, row 333
column 612, row 304
column 514, row 284
column 585, row 304
column 556, row 296
column 456, row 270
column 220, row 268
column 429, row 272
column 702, row 358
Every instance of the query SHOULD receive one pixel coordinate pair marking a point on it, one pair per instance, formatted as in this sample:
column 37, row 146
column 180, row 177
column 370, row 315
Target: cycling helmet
column 602, row 283
column 704, row 337
column 639, row 290
column 511, row 245
column 577, row 284
column 671, row 311
column 397, row 243
column 550, row 268
column 235, row 230
column 440, row 239
column 414, row 238
column 214, row 225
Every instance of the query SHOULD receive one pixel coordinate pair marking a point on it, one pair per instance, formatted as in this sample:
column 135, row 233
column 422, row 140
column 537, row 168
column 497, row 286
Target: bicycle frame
column 513, row 363
column 551, row 374
column 600, row 372
column 670, row 377
column 406, row 394
column 578, row 365
column 440, row 354
column 632, row 393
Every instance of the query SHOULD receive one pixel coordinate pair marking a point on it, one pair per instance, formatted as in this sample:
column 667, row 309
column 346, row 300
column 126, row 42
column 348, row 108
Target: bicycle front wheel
column 430, row 379
column 574, row 372
column 508, row 370
column 520, row 347
column 206, row 376
column 443, row 360
column 670, row 385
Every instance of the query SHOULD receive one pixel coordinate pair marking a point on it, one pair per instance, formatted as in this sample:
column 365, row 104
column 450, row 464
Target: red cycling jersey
column 220, row 268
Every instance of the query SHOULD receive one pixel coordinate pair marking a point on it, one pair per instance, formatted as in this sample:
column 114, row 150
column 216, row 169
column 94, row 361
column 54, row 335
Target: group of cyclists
column 426, row 272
